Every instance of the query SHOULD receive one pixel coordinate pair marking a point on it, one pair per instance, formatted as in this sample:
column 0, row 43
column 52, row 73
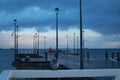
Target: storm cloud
column 101, row 18
column 100, row 15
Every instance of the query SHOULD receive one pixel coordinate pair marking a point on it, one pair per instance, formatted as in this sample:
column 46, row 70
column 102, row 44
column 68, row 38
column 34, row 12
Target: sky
column 100, row 18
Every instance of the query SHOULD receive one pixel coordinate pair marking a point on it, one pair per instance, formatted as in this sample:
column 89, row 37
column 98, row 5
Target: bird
column 54, row 63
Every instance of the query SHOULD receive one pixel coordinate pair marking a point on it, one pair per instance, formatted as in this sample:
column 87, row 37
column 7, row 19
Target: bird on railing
column 54, row 63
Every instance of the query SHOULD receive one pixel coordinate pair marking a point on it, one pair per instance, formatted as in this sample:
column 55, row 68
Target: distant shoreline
column 64, row 48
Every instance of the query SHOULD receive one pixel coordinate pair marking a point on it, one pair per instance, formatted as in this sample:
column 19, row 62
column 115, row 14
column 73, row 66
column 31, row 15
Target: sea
column 97, row 59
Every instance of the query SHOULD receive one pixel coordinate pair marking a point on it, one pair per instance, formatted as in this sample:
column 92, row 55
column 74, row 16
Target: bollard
column 106, row 55
column 112, row 55
column 46, row 56
column 118, row 56
column 88, row 55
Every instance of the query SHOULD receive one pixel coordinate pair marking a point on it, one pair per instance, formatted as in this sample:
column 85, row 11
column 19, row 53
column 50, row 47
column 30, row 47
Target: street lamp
column 77, row 45
column 57, row 11
column 38, row 42
column 54, row 63
column 44, row 43
column 74, row 42
column 74, row 46
column 15, row 42
column 17, row 39
column 83, row 42
column 33, row 44
column 67, row 42
column 45, row 48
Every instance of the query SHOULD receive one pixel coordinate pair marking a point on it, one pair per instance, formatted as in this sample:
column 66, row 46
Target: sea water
column 97, row 59
column 96, row 56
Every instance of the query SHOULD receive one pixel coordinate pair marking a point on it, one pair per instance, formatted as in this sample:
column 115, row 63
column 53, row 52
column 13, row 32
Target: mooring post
column 46, row 56
column 88, row 55
column 112, row 55
column 106, row 55
column 118, row 56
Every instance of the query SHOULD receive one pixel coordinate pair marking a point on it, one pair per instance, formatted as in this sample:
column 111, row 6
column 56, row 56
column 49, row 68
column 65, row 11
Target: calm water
column 97, row 59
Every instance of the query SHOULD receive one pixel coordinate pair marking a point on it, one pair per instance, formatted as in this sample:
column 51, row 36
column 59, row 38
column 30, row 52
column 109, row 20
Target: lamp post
column 33, row 44
column 54, row 63
column 74, row 46
column 83, row 42
column 67, row 42
column 74, row 42
column 81, row 45
column 17, row 39
column 44, row 43
column 77, row 44
column 45, row 48
column 57, row 11
column 15, row 25
column 38, row 42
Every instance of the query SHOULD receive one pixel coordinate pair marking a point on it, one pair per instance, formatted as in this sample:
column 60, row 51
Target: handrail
column 8, row 74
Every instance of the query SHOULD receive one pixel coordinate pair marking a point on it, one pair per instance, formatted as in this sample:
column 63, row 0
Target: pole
column 15, row 21
column 45, row 48
column 74, row 42
column 45, row 43
column 77, row 45
column 56, row 35
column 74, row 47
column 17, row 40
column 67, row 43
column 33, row 43
column 38, row 42
column 81, row 45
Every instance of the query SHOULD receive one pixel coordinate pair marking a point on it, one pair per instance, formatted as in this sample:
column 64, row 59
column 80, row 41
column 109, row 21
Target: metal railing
column 9, row 74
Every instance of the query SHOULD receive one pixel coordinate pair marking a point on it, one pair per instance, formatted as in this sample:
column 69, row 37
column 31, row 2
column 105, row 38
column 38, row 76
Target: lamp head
column 15, row 20
column 57, row 10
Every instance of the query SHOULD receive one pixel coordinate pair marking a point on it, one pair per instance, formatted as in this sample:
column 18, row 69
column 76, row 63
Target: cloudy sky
column 100, row 22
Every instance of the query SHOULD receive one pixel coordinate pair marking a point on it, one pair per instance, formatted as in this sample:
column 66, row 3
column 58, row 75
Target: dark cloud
column 100, row 15
column 24, row 12
column 18, row 5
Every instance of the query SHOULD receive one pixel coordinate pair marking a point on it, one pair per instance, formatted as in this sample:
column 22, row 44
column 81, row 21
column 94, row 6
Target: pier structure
column 24, row 59
column 36, row 60
column 27, row 57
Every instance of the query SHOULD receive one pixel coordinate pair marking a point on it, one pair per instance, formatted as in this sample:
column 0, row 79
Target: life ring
column 50, row 49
